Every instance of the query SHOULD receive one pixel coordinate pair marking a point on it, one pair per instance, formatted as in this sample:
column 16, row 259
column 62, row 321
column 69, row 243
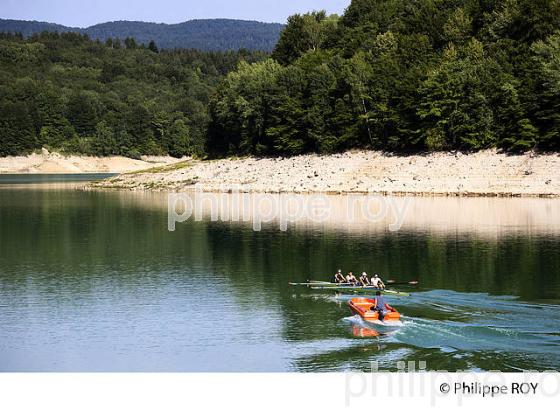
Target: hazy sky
column 82, row 13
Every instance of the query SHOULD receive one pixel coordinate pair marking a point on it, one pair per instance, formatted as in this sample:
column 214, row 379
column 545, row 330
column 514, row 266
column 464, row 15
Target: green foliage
column 240, row 108
column 394, row 75
column 547, row 61
column 303, row 33
column 104, row 142
column 16, row 130
column 179, row 141
column 402, row 75
column 152, row 47
column 454, row 99
column 524, row 139
column 68, row 92
column 83, row 112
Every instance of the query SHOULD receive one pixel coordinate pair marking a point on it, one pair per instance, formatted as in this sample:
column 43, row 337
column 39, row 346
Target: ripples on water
column 94, row 282
column 449, row 329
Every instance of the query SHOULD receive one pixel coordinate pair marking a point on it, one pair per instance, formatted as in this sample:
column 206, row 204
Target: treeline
column 396, row 75
column 399, row 75
column 70, row 93
column 206, row 34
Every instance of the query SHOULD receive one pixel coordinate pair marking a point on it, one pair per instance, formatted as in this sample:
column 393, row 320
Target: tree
column 394, row 75
column 458, row 28
column 302, row 33
column 111, row 70
column 288, row 129
column 179, row 139
column 240, row 110
column 525, row 21
column 139, row 126
column 50, row 114
column 83, row 112
column 104, row 143
column 152, row 47
column 130, row 43
column 515, row 131
column 358, row 74
column 55, row 136
column 86, row 97
column 454, row 101
column 547, row 61
column 17, row 134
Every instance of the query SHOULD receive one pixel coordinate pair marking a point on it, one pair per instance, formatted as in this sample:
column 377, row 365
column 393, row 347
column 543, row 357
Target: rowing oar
column 394, row 282
column 310, row 283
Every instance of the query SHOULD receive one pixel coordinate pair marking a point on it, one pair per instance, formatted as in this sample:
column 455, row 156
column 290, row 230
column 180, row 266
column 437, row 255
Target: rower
column 377, row 282
column 364, row 279
column 350, row 278
column 339, row 277
column 381, row 306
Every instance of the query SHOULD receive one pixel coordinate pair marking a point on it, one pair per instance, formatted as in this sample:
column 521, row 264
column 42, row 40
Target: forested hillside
column 400, row 75
column 396, row 75
column 210, row 34
column 67, row 92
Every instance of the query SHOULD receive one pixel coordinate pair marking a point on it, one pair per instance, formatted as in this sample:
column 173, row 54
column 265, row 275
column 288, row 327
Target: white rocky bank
column 483, row 173
column 55, row 163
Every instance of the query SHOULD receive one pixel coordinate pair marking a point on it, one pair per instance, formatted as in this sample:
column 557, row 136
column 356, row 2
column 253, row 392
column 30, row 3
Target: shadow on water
column 39, row 180
column 94, row 281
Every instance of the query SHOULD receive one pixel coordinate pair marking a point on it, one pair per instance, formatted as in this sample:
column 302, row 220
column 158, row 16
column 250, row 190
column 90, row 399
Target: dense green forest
column 208, row 34
column 397, row 75
column 400, row 75
column 67, row 92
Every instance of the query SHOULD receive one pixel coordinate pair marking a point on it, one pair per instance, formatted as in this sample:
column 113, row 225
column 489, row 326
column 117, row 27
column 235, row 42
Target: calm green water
column 94, row 281
column 16, row 179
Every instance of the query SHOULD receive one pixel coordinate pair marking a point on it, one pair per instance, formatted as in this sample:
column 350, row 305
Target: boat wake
column 476, row 322
column 382, row 328
column 472, row 329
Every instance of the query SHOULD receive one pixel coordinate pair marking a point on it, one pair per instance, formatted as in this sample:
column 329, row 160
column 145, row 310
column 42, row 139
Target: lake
column 95, row 281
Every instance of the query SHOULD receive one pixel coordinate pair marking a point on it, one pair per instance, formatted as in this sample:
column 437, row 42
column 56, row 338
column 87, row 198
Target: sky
column 83, row 13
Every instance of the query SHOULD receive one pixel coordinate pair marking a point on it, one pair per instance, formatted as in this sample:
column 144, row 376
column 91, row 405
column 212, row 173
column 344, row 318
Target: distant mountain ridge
column 208, row 34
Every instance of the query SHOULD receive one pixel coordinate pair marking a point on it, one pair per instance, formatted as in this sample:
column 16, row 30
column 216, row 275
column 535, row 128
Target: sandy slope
column 482, row 173
column 54, row 163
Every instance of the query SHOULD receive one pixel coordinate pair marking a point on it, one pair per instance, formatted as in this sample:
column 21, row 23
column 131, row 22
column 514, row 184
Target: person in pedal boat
column 339, row 277
column 377, row 282
column 380, row 306
column 350, row 278
column 364, row 279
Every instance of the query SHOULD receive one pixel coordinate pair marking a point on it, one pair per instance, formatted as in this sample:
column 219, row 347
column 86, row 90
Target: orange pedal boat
column 362, row 307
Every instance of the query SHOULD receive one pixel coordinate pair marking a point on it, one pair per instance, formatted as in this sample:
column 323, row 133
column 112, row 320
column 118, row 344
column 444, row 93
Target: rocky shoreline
column 47, row 162
column 484, row 173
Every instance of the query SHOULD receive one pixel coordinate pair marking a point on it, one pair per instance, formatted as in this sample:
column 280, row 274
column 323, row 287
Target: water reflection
column 95, row 281
column 50, row 181
column 490, row 217
column 361, row 331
